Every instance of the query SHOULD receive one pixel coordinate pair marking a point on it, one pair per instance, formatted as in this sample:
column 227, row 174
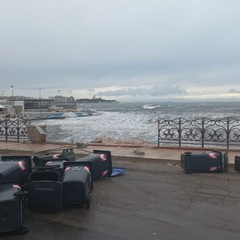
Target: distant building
column 3, row 110
column 37, row 104
column 9, row 110
column 65, row 103
column 59, row 99
column 95, row 100
column 57, row 103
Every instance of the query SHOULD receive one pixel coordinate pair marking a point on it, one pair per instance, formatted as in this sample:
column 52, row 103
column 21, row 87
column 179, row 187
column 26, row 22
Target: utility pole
column 12, row 87
column 40, row 92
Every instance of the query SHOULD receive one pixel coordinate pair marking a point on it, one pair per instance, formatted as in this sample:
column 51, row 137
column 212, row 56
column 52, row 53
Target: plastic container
column 212, row 161
column 11, row 209
column 100, row 163
column 77, row 185
column 24, row 164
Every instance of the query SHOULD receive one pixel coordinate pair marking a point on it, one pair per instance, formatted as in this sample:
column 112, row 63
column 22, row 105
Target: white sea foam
column 125, row 121
column 109, row 124
column 69, row 114
column 151, row 106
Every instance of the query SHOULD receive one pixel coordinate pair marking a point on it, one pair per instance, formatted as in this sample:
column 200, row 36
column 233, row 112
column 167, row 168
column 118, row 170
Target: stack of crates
column 14, row 172
column 52, row 187
column 54, row 181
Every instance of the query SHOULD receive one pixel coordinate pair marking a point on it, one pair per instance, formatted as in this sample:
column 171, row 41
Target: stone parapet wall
column 37, row 133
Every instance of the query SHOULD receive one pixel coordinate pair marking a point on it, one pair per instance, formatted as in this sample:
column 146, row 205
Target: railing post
column 18, row 128
column 228, row 132
column 6, row 129
column 180, row 132
column 203, row 131
column 158, row 132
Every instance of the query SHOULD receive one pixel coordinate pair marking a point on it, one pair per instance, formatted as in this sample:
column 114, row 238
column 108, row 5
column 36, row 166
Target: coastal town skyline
column 124, row 50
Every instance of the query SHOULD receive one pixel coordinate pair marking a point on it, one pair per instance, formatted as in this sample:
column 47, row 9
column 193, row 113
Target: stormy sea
column 130, row 122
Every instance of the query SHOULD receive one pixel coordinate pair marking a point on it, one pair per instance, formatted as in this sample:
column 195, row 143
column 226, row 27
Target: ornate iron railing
column 202, row 132
column 13, row 129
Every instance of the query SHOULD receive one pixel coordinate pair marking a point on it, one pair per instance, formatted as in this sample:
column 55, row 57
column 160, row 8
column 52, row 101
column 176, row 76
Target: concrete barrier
column 37, row 133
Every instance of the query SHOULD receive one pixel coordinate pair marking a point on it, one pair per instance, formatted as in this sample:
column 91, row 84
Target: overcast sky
column 121, row 49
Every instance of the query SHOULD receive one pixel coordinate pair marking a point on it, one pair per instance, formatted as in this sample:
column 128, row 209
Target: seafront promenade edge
column 146, row 153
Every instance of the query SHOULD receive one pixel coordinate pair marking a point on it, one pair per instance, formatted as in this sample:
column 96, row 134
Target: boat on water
column 151, row 106
column 69, row 115
column 56, row 116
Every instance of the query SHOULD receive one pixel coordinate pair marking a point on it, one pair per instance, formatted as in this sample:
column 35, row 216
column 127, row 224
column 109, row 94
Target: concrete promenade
column 152, row 200
column 120, row 151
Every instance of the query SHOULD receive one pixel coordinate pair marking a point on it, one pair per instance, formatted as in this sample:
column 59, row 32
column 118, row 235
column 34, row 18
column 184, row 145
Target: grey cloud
column 90, row 44
column 91, row 90
column 153, row 91
column 233, row 91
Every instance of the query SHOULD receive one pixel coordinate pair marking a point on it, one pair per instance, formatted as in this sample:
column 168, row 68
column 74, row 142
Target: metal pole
column 180, row 132
column 228, row 132
column 203, row 131
column 6, row 130
column 12, row 87
column 39, row 92
column 18, row 128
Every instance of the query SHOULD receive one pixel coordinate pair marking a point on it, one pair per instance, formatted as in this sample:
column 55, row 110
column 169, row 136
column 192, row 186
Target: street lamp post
column 39, row 92
column 12, row 87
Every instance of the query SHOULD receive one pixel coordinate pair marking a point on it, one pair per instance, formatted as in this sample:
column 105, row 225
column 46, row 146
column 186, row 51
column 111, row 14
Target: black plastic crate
column 39, row 161
column 13, row 172
column 77, row 184
column 212, row 161
column 237, row 163
column 66, row 154
column 45, row 189
column 100, row 163
column 55, row 163
column 45, row 196
column 53, row 173
column 11, row 209
column 25, row 166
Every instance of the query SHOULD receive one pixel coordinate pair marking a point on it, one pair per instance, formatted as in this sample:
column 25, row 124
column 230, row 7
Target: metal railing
column 181, row 132
column 203, row 131
column 13, row 129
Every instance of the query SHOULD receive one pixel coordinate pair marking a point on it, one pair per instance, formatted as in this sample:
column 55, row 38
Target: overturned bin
column 212, row 161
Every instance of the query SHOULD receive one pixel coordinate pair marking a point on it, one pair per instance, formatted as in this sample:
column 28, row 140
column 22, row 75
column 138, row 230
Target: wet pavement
column 151, row 200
